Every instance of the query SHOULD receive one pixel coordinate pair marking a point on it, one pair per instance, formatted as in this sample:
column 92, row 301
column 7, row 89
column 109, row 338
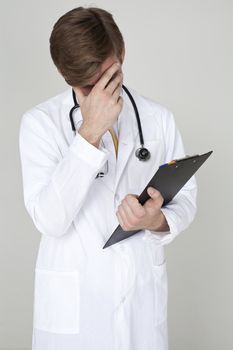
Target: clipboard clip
column 187, row 156
column 174, row 161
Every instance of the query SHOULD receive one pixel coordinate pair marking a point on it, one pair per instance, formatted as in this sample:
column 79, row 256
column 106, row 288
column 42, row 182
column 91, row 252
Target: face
column 105, row 65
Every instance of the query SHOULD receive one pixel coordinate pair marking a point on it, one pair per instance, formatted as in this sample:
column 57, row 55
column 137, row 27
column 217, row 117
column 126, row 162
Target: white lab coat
column 86, row 297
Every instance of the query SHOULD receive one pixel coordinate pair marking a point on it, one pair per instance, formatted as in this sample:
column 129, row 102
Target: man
column 87, row 297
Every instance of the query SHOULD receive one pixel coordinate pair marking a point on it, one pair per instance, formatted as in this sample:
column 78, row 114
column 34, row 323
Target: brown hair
column 80, row 42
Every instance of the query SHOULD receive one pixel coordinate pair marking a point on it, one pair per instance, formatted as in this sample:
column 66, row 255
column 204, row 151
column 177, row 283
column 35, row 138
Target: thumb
column 153, row 193
column 79, row 94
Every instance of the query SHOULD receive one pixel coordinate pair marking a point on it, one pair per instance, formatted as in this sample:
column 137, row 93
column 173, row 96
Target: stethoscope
column 141, row 153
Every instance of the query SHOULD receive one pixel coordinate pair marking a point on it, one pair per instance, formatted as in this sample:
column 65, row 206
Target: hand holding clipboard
column 168, row 180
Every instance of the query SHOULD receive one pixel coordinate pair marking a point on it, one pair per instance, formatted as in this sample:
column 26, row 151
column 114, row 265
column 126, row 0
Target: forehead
column 105, row 65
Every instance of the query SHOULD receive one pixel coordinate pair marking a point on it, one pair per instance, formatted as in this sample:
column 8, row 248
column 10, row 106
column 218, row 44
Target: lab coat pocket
column 160, row 293
column 56, row 301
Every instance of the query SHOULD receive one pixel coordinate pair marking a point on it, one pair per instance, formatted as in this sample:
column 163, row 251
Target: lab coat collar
column 128, row 131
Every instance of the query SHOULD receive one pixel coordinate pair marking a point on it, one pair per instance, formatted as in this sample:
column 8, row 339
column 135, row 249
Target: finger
column 79, row 94
column 102, row 82
column 120, row 220
column 128, row 211
column 117, row 92
column 132, row 216
column 136, row 208
column 120, row 101
column 123, row 217
column 154, row 194
column 114, row 82
column 155, row 202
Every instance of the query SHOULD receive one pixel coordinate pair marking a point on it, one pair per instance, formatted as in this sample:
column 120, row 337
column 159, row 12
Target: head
column 84, row 43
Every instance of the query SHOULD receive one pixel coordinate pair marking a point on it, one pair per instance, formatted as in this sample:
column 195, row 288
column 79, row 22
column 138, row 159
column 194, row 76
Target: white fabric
column 86, row 297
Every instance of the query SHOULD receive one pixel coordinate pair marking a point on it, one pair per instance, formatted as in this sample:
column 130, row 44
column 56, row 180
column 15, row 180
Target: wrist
column 89, row 136
column 160, row 225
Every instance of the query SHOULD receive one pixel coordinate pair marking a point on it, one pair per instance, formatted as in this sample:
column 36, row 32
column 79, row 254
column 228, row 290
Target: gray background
column 180, row 54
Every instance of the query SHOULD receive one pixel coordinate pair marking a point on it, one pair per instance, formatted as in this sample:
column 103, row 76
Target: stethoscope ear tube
column 71, row 117
column 76, row 105
column 136, row 114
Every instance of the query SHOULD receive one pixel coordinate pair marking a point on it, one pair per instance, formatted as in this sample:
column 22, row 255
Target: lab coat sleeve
column 55, row 186
column 180, row 211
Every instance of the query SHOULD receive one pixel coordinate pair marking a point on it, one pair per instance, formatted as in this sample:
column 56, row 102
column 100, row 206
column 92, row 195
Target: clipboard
column 168, row 180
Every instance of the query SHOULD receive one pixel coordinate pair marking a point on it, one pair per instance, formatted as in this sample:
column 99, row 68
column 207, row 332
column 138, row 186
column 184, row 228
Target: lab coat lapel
column 128, row 131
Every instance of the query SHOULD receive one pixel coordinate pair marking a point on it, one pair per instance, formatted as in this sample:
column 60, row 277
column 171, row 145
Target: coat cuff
column 163, row 237
column 96, row 157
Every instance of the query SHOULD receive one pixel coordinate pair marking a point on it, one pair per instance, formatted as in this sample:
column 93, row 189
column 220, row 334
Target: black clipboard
column 168, row 180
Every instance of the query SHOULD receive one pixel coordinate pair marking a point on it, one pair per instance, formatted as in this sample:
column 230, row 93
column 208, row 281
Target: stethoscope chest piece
column 142, row 153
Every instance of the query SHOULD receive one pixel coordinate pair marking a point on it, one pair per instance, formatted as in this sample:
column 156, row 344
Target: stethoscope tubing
column 136, row 114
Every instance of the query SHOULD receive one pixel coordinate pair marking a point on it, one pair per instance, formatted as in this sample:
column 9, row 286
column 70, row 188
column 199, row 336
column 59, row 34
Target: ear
column 59, row 72
column 123, row 54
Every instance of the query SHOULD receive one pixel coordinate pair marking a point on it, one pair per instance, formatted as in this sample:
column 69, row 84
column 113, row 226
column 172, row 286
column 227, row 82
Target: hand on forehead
column 106, row 65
